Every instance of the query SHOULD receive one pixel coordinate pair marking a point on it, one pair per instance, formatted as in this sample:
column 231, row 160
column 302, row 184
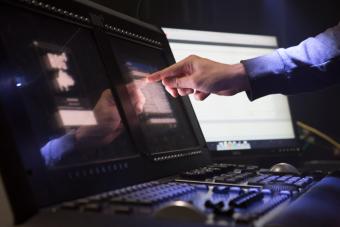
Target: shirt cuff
column 265, row 75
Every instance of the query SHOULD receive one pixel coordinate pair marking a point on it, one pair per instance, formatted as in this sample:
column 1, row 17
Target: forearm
column 312, row 65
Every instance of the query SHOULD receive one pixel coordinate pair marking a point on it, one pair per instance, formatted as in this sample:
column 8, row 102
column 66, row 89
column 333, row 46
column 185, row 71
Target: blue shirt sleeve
column 312, row 65
column 54, row 150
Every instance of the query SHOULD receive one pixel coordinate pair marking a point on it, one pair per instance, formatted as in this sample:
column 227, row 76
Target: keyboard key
column 235, row 189
column 256, row 180
column 304, row 182
column 292, row 180
column 220, row 189
column 265, row 207
column 283, row 178
column 269, row 180
column 285, row 192
column 246, row 199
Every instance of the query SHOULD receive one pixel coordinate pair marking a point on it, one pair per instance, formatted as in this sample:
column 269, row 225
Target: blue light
column 20, row 80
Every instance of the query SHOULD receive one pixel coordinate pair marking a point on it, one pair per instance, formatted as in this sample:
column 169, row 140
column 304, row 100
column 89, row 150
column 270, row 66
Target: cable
column 321, row 135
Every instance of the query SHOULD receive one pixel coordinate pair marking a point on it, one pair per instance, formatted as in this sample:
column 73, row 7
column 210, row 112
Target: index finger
column 171, row 71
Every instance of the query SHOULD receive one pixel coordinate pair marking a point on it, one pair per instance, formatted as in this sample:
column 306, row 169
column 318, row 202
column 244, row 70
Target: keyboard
column 223, row 193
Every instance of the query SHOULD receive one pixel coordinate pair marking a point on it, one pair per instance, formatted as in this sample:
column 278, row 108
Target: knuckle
column 193, row 57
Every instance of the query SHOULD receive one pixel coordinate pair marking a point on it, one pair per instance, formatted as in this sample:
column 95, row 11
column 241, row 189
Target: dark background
column 290, row 20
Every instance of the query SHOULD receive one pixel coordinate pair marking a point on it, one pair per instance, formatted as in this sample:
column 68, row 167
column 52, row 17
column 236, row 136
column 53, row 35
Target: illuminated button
column 266, row 191
column 285, row 192
column 246, row 199
column 235, row 189
column 253, row 190
column 220, row 189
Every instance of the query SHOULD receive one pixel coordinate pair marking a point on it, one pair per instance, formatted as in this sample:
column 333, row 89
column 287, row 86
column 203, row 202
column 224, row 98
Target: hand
column 137, row 96
column 202, row 76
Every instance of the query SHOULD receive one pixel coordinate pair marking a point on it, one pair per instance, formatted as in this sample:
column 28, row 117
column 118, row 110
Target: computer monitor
column 164, row 125
column 76, row 105
column 234, row 125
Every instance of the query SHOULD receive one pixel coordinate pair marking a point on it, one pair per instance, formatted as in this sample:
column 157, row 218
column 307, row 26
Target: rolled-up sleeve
column 312, row 65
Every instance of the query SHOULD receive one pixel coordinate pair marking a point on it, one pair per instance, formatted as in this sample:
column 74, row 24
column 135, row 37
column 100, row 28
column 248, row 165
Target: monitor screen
column 51, row 71
column 234, row 123
column 165, row 126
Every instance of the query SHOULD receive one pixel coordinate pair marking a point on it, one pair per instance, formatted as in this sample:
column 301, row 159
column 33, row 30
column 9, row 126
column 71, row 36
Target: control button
column 220, row 189
column 292, row 180
column 266, row 191
column 257, row 179
column 283, row 178
column 209, row 204
column 224, row 212
column 202, row 187
column 235, row 189
column 253, row 190
column 304, row 182
column 267, row 206
column 269, row 180
column 219, row 205
column 246, row 199
column 277, row 187
column 285, row 192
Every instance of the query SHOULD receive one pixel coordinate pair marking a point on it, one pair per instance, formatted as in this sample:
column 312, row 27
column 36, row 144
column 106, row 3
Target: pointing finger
column 171, row 71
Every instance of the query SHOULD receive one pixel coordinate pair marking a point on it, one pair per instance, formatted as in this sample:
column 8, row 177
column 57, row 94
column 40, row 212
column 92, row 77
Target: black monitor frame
column 77, row 181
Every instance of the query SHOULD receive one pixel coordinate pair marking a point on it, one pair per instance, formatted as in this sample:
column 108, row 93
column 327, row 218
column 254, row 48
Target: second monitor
column 235, row 125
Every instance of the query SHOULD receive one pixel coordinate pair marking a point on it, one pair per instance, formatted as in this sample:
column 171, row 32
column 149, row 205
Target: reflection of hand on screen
column 109, row 124
column 137, row 97
column 107, row 128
